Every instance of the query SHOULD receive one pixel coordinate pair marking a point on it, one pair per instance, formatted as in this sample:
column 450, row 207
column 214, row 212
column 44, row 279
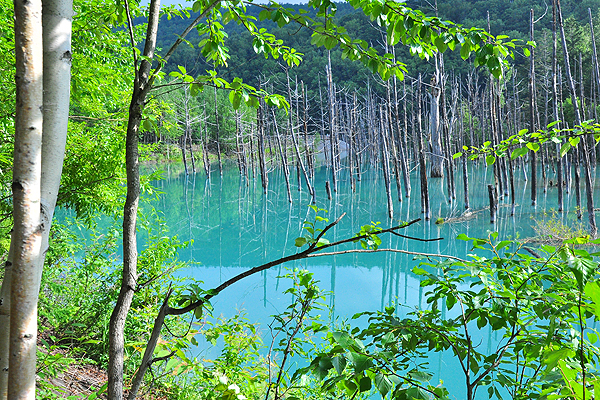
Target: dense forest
column 97, row 304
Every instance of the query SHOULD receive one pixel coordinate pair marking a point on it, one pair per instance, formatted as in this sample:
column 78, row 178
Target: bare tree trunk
column 261, row 147
column 26, row 238
column 183, row 145
column 386, row 164
column 559, row 159
column 465, row 173
column 532, row 99
column 296, row 145
column 218, row 134
column 584, row 150
column 437, row 160
column 422, row 166
column 332, row 122
column 141, row 87
column 284, row 162
column 493, row 203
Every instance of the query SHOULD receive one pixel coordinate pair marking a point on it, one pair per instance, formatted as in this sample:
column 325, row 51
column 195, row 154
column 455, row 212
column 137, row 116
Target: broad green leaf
column 299, row 242
column 383, row 384
column 360, row 361
column 462, row 236
column 490, row 159
column 551, row 358
column 564, row 149
column 365, row 384
column 343, row 339
column 465, row 50
column 533, row 146
column 574, row 140
column 339, row 363
column 420, row 376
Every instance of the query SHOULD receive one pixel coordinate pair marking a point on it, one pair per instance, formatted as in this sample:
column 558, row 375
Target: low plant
column 543, row 309
column 552, row 228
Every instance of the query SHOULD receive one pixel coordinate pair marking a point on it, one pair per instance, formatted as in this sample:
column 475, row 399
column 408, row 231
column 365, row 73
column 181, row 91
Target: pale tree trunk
column 27, row 173
column 586, row 158
column 437, row 160
column 36, row 177
column 532, row 99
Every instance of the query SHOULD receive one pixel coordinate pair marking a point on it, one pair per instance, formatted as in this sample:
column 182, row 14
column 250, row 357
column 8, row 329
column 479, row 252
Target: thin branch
column 417, row 239
column 416, row 253
column 97, row 119
column 180, row 39
column 131, row 36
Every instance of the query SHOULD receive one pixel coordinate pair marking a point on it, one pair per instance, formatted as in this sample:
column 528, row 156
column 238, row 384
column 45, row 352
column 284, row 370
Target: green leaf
column 462, row 236
column 551, row 358
column 533, row 146
column 197, row 6
column 264, row 14
column 343, row 339
column 457, row 155
column 360, row 361
column 526, row 52
column 440, row 44
column 365, row 384
column 322, row 242
column 490, row 159
column 339, row 363
column 383, row 384
column 420, row 376
column 564, row 149
column 299, row 242
column 450, row 301
column 574, row 140
column 465, row 50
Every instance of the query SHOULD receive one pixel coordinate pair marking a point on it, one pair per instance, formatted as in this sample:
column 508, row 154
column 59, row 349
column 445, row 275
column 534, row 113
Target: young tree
column 39, row 151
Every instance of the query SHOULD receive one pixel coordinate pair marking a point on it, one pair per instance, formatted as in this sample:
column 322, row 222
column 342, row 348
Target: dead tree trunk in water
column 465, row 173
column 295, row 142
column 392, row 142
column 559, row 158
column 493, row 203
column 422, row 167
column 532, row 99
column 435, row 140
column 386, row 163
column 586, row 158
column 218, row 134
column 261, row 146
column 332, row 139
column 284, row 161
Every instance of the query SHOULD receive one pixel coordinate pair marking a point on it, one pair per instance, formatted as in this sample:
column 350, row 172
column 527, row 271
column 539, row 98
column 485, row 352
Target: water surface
column 235, row 226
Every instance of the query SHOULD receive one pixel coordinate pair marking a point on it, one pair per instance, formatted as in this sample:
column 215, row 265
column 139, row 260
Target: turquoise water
column 234, row 227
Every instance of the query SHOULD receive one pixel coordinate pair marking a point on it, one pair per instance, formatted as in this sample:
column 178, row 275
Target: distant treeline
column 505, row 17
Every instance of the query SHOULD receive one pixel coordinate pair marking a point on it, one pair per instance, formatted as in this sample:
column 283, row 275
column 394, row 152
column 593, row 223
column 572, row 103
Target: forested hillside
column 505, row 18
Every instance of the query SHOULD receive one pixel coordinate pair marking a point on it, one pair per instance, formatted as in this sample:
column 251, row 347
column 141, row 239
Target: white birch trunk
column 56, row 22
column 5, row 323
column 26, row 236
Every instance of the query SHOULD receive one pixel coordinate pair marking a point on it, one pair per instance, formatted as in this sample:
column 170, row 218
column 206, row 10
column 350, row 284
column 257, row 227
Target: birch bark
column 41, row 62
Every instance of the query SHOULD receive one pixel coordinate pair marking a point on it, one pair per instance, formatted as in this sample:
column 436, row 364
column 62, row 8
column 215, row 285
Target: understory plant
column 541, row 307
